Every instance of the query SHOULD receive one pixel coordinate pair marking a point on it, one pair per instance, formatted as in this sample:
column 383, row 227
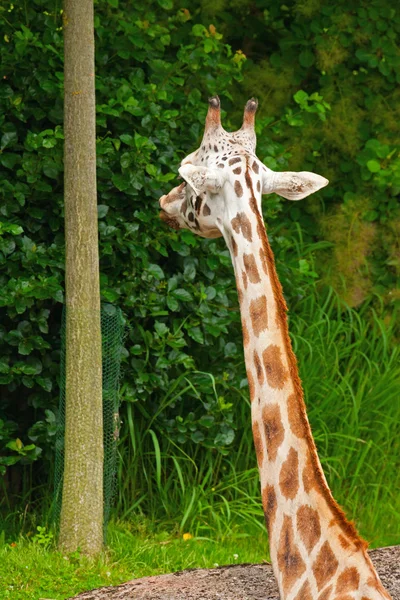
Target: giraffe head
column 224, row 178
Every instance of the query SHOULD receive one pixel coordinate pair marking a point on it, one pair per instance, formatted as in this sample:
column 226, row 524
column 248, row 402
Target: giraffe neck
column 315, row 552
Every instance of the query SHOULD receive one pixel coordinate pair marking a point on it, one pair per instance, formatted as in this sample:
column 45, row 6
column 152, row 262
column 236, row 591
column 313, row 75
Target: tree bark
column 81, row 522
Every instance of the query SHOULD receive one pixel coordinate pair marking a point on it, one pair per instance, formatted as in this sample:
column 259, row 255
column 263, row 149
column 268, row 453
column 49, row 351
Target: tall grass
column 350, row 369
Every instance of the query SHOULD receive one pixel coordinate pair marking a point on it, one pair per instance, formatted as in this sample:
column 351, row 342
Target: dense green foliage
column 327, row 80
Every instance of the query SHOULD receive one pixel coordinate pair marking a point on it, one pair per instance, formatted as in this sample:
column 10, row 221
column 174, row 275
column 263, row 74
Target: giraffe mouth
column 170, row 221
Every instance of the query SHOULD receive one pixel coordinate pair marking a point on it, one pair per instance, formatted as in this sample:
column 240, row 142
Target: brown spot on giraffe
column 304, row 592
column 251, row 386
column 276, row 373
column 309, row 481
column 197, row 205
column 259, row 369
column 238, row 188
column 255, row 167
column 308, row 526
column 251, row 268
column 254, row 208
column 289, row 475
column 259, row 315
column 235, row 160
column 290, row 563
column 325, row 565
column 297, row 416
column 348, row 580
column 244, row 278
column 344, row 597
column 270, row 504
column 343, row 542
column 273, row 427
column 245, row 332
column 326, row 593
column 258, row 444
column 206, row 210
column 184, row 207
column 241, row 223
column 220, row 165
column 249, row 184
column 237, row 171
column 258, row 186
column 263, row 259
column 236, row 223
column 234, row 246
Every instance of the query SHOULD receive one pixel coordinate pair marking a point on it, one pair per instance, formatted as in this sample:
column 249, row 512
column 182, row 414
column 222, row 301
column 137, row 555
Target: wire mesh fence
column 112, row 334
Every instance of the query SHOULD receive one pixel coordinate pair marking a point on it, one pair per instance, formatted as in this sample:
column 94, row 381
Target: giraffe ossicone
column 316, row 553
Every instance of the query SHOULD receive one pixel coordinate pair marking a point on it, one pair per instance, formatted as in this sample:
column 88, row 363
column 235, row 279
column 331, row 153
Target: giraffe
column 316, row 553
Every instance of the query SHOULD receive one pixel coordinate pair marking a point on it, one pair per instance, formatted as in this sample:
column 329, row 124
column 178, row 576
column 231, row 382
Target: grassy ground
column 34, row 570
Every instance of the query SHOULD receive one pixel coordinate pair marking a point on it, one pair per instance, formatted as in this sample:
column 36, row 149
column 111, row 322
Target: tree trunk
column 81, row 523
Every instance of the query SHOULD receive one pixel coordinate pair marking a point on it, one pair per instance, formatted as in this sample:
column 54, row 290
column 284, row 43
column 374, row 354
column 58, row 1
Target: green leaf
column 8, row 138
column 51, row 171
column 172, row 283
column 211, row 292
column 199, row 30
column 127, row 139
column 4, row 366
column 25, row 347
column 224, row 438
column 102, row 210
column 371, row 215
column 373, row 166
column 197, row 437
column 9, row 160
column 172, row 303
column 300, row 97
column 207, row 421
column 122, row 182
column 151, row 170
column 230, row 349
column 196, row 334
column 166, row 4
column 306, row 58
column 156, row 271
column 182, row 294
column 161, row 328
column 45, row 383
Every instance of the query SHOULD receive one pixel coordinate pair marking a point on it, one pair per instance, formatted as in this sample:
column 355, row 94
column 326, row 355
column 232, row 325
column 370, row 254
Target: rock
column 232, row 582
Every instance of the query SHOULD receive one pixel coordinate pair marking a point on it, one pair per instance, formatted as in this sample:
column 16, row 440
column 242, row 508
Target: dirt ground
column 232, row 582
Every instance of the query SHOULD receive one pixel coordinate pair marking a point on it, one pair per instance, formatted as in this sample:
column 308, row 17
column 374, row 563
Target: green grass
column 28, row 571
column 351, row 374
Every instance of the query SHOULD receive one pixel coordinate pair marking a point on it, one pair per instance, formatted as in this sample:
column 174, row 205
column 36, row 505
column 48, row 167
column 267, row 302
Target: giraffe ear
column 202, row 179
column 291, row 185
